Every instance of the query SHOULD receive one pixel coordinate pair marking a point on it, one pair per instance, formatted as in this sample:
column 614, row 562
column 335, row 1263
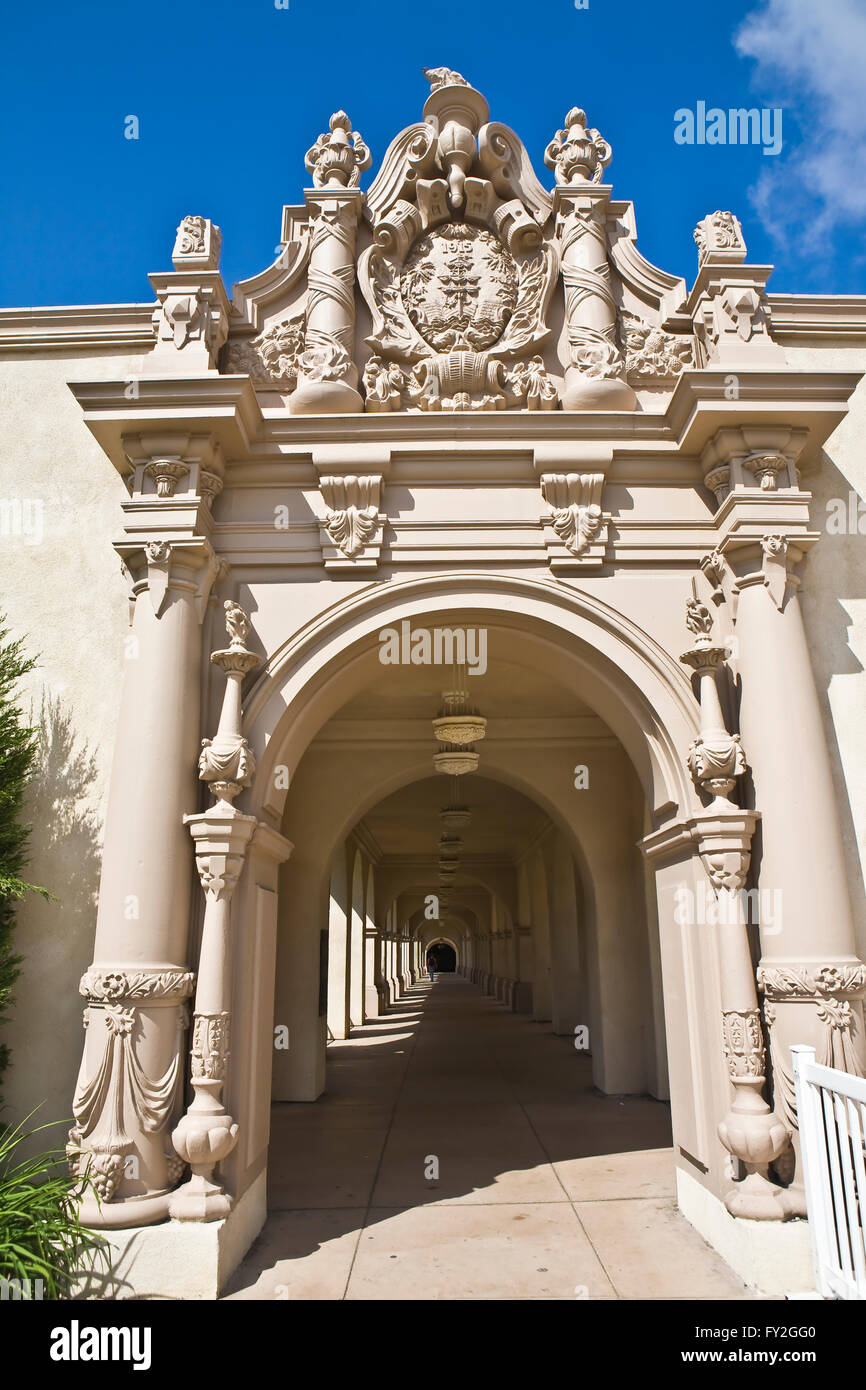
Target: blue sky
column 229, row 97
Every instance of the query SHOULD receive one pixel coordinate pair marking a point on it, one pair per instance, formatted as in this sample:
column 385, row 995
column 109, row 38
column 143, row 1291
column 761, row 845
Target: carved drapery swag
column 834, row 991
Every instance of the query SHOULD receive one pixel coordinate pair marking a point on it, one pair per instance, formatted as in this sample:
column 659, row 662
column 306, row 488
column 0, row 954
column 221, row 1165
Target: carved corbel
column 732, row 319
column 351, row 530
column 717, row 572
column 575, row 527
column 768, row 469
column 166, row 474
column 755, row 457
column 774, row 567
column 192, row 318
column 159, row 460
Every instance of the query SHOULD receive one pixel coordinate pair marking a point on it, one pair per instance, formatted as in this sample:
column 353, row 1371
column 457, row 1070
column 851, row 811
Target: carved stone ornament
column 651, row 354
column 226, row 762
column 210, row 1045
column 575, row 515
column 272, row 358
column 775, row 567
column 444, row 77
column 459, row 288
column 719, row 239
column 353, row 510
column 716, row 757
column 106, row 986
column 743, row 1042
column 458, row 279
column 714, row 568
column 766, row 469
column 835, row 991
column 119, row 1090
column 449, row 319
column 595, row 378
column 338, row 156
column 194, row 317
column 718, row 480
column 197, row 245
column 166, row 473
column 575, row 154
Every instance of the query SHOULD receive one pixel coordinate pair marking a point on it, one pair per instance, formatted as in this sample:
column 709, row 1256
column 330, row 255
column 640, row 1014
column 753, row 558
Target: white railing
column 831, row 1110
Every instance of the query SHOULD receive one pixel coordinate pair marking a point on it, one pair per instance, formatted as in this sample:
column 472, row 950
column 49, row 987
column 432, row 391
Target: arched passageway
column 542, row 891
column 444, row 957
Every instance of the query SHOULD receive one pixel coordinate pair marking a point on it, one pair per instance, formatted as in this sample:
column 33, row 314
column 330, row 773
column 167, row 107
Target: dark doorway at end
column 446, row 957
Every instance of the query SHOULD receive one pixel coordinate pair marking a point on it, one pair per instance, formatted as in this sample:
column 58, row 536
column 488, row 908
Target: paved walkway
column 545, row 1189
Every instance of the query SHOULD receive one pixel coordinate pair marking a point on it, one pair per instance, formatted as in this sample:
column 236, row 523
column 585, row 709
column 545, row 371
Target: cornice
column 224, row 407
column 706, row 400
column 227, row 407
column 831, row 317
column 74, row 326
column 70, row 326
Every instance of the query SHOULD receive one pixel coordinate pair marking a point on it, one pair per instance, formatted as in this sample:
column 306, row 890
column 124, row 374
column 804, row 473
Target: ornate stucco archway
column 556, row 441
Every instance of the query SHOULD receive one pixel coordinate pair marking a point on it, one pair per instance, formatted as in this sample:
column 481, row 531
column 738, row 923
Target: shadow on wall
column 833, row 589
column 55, row 938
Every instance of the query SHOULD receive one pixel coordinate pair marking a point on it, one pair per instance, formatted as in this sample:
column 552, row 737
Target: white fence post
column 831, row 1110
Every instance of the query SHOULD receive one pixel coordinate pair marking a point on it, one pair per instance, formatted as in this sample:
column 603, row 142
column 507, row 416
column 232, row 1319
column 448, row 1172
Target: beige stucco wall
column 834, row 610
column 65, row 595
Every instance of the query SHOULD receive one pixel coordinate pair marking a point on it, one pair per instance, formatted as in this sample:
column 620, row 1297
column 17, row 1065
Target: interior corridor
column 546, row 1189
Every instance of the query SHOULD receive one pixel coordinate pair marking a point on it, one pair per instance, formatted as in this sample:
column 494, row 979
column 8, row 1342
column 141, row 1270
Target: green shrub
column 41, row 1237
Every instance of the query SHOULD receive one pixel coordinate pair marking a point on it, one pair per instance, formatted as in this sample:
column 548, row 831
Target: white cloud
column 811, row 59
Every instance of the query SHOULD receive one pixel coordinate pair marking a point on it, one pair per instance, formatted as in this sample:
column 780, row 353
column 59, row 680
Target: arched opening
column 444, row 957
column 547, row 912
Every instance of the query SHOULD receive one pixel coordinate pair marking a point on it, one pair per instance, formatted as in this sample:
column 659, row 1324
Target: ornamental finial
column 338, row 157
column 577, row 154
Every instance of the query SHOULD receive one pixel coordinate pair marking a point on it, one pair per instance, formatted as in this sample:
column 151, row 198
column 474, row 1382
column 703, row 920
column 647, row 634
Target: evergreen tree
column 18, row 750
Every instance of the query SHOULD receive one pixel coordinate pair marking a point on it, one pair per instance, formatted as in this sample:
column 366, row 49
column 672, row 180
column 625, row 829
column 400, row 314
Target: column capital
column 221, row 835
column 156, row 564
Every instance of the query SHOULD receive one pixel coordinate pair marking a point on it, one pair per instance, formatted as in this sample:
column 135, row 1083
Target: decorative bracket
column 575, row 527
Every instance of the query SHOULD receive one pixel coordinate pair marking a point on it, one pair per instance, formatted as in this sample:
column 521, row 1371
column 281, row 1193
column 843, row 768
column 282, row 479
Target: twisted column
column 328, row 377
column 595, row 377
